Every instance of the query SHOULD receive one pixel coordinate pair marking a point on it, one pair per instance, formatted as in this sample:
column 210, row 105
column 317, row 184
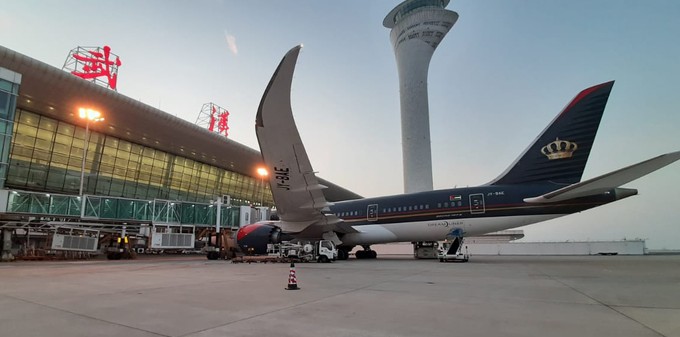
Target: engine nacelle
column 254, row 238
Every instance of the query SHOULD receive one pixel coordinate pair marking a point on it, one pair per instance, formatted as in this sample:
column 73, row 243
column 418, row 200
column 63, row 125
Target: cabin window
column 439, row 205
column 427, row 206
column 446, row 205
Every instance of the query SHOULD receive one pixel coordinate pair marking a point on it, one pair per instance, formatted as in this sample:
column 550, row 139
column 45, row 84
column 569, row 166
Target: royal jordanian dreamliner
column 542, row 184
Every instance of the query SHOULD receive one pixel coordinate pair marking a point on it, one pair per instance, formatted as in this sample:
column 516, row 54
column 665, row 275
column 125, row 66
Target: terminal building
column 140, row 166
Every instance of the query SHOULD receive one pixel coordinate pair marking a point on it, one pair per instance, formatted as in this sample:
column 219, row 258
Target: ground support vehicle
column 452, row 251
column 305, row 250
column 293, row 251
column 120, row 249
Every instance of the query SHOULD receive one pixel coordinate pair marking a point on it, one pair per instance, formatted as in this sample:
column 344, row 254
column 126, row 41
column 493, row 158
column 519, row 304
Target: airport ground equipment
column 306, row 251
column 425, row 250
column 322, row 251
column 220, row 246
column 120, row 249
column 452, row 250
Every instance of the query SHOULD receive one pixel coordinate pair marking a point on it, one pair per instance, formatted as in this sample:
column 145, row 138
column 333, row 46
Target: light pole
column 88, row 115
column 263, row 173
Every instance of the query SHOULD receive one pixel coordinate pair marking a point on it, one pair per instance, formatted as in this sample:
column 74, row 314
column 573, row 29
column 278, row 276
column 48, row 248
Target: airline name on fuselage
column 445, row 223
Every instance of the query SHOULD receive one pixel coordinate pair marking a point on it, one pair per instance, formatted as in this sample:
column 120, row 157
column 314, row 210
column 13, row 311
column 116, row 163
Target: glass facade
column 418, row 4
column 46, row 155
column 8, row 93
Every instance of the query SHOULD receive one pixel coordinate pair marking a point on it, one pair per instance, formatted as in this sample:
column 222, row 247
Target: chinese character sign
column 217, row 120
column 213, row 118
column 222, row 126
column 93, row 64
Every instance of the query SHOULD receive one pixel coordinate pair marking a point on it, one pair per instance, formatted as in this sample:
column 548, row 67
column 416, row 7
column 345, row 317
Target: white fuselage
column 437, row 230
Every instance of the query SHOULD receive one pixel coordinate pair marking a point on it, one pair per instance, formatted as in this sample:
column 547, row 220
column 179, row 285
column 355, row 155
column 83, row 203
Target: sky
column 497, row 79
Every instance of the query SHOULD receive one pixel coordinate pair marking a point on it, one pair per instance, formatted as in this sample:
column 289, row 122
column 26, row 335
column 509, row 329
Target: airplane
column 543, row 183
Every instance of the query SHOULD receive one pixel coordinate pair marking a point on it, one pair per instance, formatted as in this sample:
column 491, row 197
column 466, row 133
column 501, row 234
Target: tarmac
column 391, row 296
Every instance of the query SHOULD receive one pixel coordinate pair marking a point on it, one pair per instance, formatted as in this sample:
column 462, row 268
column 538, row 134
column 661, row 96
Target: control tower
column 418, row 26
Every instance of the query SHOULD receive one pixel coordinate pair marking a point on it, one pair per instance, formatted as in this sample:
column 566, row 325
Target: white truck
column 304, row 250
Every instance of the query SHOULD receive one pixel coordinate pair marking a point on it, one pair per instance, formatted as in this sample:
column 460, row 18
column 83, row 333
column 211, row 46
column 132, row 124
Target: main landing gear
column 367, row 253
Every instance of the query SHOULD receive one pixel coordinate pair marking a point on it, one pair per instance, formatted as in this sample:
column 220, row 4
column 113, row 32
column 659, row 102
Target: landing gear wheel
column 366, row 254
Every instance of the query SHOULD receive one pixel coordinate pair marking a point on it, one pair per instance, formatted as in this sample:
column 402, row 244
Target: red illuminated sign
column 222, row 120
column 214, row 118
column 211, row 127
column 98, row 64
column 222, row 126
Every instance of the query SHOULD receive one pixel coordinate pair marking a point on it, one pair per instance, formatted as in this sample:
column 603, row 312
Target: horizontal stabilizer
column 607, row 181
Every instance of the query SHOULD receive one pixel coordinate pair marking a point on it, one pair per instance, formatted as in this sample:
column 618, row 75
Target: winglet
column 282, row 96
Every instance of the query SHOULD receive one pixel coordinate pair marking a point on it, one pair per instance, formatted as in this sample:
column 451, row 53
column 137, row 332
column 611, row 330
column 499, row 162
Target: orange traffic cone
column 292, row 279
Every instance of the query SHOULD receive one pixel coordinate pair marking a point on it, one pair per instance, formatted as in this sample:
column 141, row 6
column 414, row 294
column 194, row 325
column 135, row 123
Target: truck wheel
column 324, row 259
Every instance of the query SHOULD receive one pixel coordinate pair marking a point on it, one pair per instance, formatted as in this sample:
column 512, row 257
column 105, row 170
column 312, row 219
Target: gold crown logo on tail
column 559, row 149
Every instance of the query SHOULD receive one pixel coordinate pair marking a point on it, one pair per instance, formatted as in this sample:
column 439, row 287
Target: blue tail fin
column 559, row 154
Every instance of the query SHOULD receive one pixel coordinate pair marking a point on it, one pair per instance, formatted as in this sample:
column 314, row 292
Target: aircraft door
column 372, row 212
column 477, row 203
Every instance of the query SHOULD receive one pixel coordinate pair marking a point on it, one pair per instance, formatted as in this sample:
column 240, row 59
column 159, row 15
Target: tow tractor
column 452, row 248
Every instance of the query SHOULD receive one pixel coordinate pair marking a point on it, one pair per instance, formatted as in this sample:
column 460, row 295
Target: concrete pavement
column 391, row 296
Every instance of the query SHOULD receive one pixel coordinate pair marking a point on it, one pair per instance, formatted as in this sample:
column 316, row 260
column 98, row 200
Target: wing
column 297, row 193
column 607, row 181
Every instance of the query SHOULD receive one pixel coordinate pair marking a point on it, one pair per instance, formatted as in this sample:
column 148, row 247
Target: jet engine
column 253, row 239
